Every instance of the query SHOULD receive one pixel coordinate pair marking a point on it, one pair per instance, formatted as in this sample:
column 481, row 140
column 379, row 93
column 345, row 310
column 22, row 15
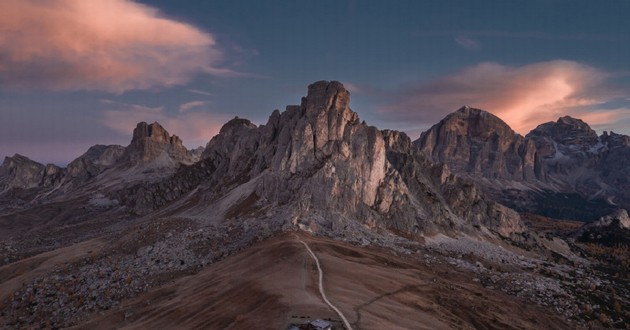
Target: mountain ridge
column 555, row 160
column 315, row 161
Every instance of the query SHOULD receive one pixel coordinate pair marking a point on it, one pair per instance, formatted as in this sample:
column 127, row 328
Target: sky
column 75, row 73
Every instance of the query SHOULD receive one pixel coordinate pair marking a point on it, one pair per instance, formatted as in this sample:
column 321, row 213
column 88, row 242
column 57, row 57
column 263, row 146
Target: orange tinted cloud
column 109, row 45
column 522, row 96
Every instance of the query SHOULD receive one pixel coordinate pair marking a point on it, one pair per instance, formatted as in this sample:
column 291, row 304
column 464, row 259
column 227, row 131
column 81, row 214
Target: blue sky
column 76, row 73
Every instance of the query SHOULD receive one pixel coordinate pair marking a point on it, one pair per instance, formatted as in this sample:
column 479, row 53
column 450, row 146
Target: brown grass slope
column 266, row 285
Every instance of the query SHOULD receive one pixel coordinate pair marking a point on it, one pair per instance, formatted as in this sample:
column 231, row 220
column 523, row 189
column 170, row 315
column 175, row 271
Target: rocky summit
column 475, row 141
column 151, row 142
column 452, row 229
column 560, row 169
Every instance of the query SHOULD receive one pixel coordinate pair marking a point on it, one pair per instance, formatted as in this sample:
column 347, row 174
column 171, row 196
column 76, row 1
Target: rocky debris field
column 574, row 287
column 148, row 256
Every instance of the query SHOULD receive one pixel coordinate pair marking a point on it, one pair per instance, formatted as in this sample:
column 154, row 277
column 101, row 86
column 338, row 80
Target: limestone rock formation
column 620, row 218
column 23, row 173
column 475, row 141
column 152, row 143
column 577, row 160
column 152, row 151
column 565, row 145
column 560, row 169
column 612, row 230
column 95, row 161
column 329, row 169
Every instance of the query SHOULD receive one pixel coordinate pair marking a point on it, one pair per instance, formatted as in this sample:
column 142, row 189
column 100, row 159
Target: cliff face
column 560, row 169
column 152, row 143
column 94, row 161
column 475, row 141
column 21, row 172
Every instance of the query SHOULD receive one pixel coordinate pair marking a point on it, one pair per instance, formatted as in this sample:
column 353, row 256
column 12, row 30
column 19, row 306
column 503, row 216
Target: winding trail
column 321, row 286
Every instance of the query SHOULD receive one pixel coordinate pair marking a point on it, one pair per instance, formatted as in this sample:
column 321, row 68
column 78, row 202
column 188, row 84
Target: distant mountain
column 151, row 143
column 152, row 155
column 477, row 142
column 560, row 169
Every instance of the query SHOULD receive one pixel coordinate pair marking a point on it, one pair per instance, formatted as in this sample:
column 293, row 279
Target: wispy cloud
column 191, row 105
column 200, row 92
column 195, row 128
column 522, row 96
column 113, row 46
column 525, row 35
column 467, row 42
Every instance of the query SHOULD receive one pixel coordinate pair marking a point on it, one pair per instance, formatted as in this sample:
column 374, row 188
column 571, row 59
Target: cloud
column 200, row 92
column 191, row 105
column 537, row 35
column 195, row 128
column 108, row 45
column 467, row 42
column 522, row 96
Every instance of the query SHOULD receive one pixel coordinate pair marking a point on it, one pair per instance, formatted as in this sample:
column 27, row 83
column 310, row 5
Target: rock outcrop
column 23, row 173
column 612, row 230
column 94, row 161
column 151, row 143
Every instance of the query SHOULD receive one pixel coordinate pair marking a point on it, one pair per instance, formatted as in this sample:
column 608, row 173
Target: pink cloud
column 108, row 45
column 194, row 128
column 191, row 105
column 467, row 42
column 200, row 92
column 522, row 96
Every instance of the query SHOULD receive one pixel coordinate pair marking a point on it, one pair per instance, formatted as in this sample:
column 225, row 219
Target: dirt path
column 321, row 286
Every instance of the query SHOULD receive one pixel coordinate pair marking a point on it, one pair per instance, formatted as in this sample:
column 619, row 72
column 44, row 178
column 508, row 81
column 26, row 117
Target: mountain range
column 469, row 187
column 560, row 169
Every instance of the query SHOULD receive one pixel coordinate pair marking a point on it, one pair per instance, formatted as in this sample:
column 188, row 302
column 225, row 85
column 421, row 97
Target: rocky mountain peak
column 154, row 132
column 236, row 124
column 95, row 160
column 327, row 110
column 326, row 95
column 614, row 140
column 566, row 130
column 479, row 122
column 22, row 172
column 472, row 140
column 15, row 159
column 152, row 141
